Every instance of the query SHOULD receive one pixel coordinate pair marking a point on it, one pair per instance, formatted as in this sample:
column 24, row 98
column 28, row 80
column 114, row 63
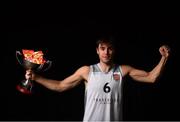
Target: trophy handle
column 47, row 63
column 19, row 56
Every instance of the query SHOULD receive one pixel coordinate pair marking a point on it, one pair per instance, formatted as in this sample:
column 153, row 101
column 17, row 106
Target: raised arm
column 149, row 77
column 80, row 75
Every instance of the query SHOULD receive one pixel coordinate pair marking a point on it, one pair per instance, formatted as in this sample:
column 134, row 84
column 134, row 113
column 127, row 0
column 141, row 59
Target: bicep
column 142, row 76
column 73, row 80
column 136, row 74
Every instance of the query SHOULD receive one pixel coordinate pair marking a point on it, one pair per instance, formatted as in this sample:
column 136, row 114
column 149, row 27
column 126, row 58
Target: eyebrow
column 109, row 46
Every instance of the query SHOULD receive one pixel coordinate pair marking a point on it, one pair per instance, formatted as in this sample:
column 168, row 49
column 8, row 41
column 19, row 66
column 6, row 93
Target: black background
column 66, row 32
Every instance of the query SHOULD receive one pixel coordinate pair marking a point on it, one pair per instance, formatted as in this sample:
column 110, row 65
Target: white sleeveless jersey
column 103, row 95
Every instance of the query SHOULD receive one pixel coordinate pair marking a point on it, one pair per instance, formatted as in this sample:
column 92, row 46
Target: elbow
column 59, row 87
column 153, row 80
column 59, row 90
column 153, row 77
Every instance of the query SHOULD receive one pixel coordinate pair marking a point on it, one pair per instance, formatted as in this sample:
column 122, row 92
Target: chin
column 107, row 62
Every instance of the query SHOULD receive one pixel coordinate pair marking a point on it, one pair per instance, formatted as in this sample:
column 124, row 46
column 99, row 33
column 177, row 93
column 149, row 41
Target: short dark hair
column 106, row 40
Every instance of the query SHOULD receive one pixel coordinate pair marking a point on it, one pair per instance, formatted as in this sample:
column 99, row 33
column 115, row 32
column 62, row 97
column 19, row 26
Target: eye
column 102, row 48
column 110, row 48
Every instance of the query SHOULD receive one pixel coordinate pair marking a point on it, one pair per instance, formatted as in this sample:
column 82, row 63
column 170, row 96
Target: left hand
column 164, row 50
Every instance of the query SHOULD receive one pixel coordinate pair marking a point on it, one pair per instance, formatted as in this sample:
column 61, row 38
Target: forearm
column 48, row 83
column 157, row 71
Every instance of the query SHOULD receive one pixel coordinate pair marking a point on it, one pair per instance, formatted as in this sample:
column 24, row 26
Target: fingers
column 164, row 50
column 28, row 74
column 166, row 47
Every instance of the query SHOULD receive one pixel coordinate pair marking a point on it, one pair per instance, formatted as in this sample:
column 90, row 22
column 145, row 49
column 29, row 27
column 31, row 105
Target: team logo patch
column 116, row 76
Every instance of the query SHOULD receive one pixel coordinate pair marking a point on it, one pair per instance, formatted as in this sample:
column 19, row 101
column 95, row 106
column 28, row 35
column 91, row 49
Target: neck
column 105, row 67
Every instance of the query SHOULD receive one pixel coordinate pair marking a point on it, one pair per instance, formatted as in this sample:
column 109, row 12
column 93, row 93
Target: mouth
column 106, row 57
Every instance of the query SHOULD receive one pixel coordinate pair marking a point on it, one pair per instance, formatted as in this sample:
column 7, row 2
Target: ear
column 97, row 50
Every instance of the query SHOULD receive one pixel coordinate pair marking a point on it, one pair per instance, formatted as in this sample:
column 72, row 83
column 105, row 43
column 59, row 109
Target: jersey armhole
column 90, row 72
column 121, row 72
column 88, row 78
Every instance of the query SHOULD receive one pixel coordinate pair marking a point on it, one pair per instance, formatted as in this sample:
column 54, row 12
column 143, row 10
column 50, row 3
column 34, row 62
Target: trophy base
column 23, row 89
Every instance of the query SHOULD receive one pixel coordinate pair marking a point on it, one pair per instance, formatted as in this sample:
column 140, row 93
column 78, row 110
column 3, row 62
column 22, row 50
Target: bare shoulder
column 83, row 71
column 125, row 69
column 125, row 66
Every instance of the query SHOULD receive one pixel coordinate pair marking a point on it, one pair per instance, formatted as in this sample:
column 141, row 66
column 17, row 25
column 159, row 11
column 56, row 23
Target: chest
column 104, row 82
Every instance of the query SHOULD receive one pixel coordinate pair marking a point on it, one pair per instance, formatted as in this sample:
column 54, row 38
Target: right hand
column 29, row 75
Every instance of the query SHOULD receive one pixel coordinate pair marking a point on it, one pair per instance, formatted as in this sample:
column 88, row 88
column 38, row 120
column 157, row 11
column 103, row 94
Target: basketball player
column 103, row 82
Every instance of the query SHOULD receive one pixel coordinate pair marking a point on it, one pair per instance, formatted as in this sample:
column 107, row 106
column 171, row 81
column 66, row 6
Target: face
column 105, row 52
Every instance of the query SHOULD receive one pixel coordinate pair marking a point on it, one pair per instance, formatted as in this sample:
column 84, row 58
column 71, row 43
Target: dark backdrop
column 67, row 33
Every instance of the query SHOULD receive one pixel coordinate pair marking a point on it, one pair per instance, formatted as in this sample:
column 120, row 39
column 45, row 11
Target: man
column 103, row 82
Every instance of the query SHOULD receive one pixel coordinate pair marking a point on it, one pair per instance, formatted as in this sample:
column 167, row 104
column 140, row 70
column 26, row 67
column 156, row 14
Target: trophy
column 31, row 60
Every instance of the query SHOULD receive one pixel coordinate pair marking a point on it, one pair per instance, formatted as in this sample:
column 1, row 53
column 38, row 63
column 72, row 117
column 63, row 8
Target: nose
column 106, row 51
